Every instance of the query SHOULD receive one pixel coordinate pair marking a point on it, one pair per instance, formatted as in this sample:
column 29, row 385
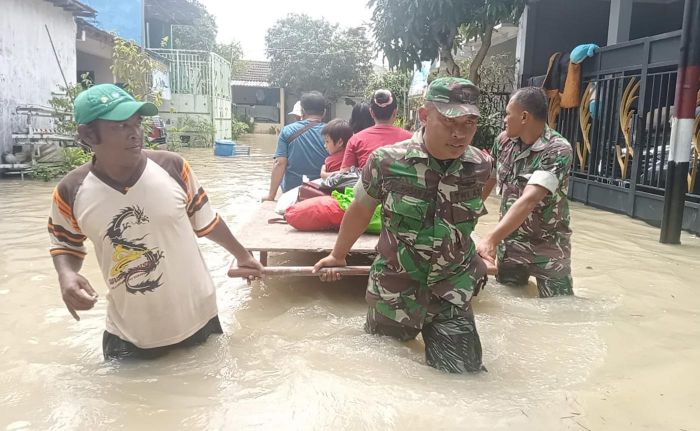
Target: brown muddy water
column 623, row 354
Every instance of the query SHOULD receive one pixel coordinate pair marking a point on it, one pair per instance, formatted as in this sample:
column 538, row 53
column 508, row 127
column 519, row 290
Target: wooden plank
column 300, row 271
column 259, row 235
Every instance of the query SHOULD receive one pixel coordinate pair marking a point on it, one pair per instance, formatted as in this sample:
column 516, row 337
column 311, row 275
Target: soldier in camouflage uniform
column 427, row 270
column 533, row 165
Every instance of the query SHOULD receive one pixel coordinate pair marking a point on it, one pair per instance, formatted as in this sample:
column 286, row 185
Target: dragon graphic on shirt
column 134, row 264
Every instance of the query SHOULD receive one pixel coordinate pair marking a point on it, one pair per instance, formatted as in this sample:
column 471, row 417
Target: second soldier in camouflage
column 533, row 165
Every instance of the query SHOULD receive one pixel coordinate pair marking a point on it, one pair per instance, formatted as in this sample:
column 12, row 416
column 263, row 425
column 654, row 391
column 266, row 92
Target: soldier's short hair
column 313, row 103
column 532, row 100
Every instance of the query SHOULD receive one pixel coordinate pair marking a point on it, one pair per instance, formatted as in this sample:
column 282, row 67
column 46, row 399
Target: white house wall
column 342, row 109
column 28, row 69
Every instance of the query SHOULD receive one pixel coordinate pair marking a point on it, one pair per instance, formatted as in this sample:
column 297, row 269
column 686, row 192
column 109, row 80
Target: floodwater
column 621, row 355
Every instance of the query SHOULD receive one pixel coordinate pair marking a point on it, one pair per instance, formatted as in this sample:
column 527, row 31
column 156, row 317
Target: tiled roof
column 253, row 71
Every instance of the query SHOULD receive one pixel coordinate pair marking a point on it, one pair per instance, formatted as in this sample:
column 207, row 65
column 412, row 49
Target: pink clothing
column 363, row 143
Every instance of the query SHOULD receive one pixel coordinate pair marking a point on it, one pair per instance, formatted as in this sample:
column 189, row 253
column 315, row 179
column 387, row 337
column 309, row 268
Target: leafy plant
column 133, row 68
column 395, row 81
column 242, row 118
column 62, row 106
column 186, row 128
column 238, row 128
column 72, row 158
column 489, row 125
column 411, row 31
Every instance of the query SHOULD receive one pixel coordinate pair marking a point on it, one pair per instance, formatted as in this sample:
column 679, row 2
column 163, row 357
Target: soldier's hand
column 329, row 261
column 491, row 269
column 77, row 293
column 486, row 248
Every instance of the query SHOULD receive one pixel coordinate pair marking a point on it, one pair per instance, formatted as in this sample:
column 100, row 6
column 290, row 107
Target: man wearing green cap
column 430, row 188
column 143, row 211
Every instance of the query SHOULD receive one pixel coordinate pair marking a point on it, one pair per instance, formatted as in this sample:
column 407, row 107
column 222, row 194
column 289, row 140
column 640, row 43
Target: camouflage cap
column 453, row 97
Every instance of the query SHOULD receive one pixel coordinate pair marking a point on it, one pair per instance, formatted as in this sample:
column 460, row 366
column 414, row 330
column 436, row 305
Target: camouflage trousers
column 549, row 282
column 452, row 343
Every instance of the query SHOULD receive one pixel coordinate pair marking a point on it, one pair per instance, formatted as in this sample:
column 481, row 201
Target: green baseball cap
column 108, row 102
column 453, row 97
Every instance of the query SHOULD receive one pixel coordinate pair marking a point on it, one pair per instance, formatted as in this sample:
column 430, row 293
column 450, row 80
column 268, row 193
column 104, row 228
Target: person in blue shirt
column 300, row 149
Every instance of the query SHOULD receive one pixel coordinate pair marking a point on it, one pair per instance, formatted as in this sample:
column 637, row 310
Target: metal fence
column 200, row 83
column 622, row 128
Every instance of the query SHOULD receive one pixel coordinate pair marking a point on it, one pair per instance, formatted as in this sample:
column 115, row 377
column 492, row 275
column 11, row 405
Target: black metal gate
column 621, row 130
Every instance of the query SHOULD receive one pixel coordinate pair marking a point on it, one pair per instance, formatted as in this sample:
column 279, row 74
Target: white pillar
column 283, row 112
column 620, row 21
column 520, row 46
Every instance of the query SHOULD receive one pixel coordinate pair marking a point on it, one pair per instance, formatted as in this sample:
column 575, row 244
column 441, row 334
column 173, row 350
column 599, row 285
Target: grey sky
column 248, row 21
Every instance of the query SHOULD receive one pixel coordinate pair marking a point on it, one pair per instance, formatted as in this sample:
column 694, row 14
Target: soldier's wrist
column 338, row 255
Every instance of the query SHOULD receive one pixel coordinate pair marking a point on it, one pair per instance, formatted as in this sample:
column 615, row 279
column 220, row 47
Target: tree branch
column 485, row 36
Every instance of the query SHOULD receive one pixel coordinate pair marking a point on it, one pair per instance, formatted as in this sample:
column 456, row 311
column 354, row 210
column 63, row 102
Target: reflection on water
column 294, row 355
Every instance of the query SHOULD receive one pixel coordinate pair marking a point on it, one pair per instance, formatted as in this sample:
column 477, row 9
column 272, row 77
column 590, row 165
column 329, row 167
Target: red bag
column 310, row 190
column 315, row 214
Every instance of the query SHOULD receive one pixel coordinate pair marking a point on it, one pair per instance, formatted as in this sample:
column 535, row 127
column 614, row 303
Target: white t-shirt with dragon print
column 145, row 237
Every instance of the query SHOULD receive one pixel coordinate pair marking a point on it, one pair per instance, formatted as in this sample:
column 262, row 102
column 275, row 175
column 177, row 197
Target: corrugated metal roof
column 74, row 7
column 253, row 71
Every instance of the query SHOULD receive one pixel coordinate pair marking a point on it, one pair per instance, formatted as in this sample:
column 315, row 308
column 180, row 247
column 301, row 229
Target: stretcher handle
column 300, row 271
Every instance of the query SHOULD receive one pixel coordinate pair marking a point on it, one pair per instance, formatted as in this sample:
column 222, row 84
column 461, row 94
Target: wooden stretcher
column 257, row 235
column 260, row 236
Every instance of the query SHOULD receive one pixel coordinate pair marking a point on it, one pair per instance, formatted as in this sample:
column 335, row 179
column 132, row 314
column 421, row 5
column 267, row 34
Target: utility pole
column 682, row 125
column 144, row 27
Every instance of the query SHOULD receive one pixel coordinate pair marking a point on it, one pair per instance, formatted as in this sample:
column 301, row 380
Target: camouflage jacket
column 545, row 235
column 429, row 210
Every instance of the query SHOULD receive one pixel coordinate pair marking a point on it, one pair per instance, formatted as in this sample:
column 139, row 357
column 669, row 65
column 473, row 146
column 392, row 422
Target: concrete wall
column 342, row 109
column 28, row 69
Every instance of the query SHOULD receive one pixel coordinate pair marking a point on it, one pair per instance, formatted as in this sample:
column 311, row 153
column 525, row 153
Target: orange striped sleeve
column 58, row 251
column 202, row 217
column 208, row 228
column 65, row 210
column 185, row 175
column 64, row 232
